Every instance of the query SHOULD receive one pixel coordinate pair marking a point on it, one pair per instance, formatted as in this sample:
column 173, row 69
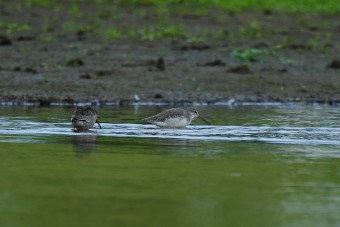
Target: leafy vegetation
column 155, row 32
column 11, row 27
column 329, row 6
column 253, row 30
column 284, row 5
column 250, row 54
column 158, row 23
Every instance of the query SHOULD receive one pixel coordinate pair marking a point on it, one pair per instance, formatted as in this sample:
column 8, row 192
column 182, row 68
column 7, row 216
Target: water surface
column 254, row 166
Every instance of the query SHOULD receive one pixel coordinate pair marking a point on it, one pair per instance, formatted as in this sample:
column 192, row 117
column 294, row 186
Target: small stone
column 85, row 76
column 75, row 62
column 335, row 64
column 216, row 62
column 199, row 46
column 4, row 41
column 241, row 69
column 160, row 64
column 25, row 38
column 30, row 70
column 101, row 73
column 158, row 96
column 267, row 12
column 283, row 70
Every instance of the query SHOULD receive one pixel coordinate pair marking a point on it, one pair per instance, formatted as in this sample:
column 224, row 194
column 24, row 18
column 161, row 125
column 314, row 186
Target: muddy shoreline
column 219, row 57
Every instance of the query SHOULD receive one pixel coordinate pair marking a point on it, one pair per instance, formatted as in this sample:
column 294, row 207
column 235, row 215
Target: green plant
column 148, row 33
column 196, row 39
column 320, row 41
column 75, row 10
column 47, row 37
column 192, row 79
column 287, row 61
column 11, row 27
column 250, row 54
column 161, row 31
column 253, row 30
column 44, row 65
column 69, row 26
column 286, row 41
column 172, row 31
column 221, row 34
column 73, row 26
column 113, row 33
column 43, row 3
column 328, row 6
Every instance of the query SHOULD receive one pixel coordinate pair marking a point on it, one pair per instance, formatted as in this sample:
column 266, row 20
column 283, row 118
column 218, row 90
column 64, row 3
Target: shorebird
column 175, row 118
column 83, row 118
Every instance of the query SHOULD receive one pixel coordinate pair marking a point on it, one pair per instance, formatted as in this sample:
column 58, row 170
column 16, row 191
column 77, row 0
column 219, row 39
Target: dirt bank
column 125, row 54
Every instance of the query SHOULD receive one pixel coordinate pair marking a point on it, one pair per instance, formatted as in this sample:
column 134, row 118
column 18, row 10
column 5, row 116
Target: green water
column 94, row 180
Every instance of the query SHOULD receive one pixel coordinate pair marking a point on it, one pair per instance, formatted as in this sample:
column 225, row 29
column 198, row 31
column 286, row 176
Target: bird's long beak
column 202, row 118
column 98, row 124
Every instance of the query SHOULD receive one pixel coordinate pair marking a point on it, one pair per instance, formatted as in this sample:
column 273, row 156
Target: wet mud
column 248, row 56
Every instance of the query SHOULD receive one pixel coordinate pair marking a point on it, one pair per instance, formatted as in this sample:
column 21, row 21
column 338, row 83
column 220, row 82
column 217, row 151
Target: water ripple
column 267, row 134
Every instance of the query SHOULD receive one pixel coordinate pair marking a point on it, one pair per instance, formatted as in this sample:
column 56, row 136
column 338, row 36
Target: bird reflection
column 84, row 143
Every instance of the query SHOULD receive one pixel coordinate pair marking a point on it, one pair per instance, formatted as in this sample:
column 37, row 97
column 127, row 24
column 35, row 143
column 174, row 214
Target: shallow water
column 254, row 166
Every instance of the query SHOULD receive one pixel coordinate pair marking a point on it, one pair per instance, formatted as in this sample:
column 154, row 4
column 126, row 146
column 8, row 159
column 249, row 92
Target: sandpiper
column 175, row 118
column 83, row 118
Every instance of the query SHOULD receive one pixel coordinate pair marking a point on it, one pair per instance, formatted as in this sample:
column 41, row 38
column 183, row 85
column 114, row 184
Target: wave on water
column 267, row 134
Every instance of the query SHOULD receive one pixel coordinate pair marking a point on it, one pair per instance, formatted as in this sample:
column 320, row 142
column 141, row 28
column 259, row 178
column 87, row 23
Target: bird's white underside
column 178, row 122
